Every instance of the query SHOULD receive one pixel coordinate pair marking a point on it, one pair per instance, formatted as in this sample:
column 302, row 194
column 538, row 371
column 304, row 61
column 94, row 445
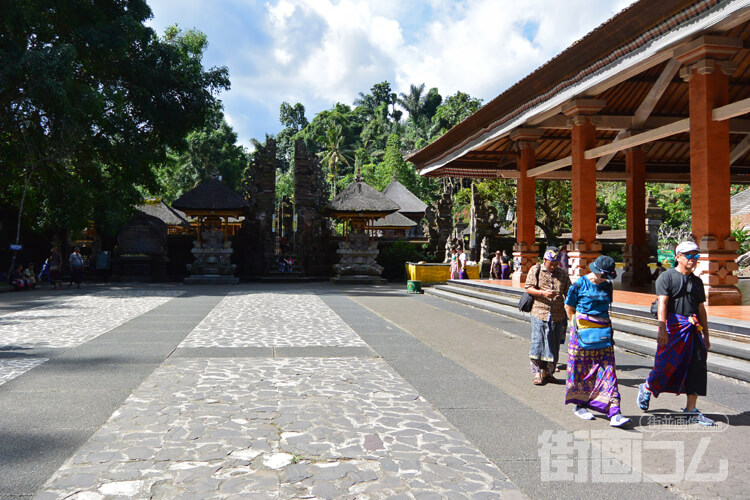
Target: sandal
column 549, row 378
column 538, row 379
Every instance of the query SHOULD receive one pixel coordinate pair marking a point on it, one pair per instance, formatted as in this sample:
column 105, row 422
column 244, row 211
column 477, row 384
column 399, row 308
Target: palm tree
column 413, row 101
column 334, row 154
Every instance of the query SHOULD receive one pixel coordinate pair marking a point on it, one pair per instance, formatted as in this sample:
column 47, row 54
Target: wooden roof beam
column 549, row 167
column 646, row 107
column 731, row 110
column 739, row 150
column 677, row 127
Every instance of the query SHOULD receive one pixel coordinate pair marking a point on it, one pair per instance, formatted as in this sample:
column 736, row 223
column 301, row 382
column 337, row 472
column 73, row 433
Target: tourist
column 683, row 340
column 461, row 257
column 55, row 267
column 591, row 378
column 564, row 264
column 17, row 279
column 495, row 267
column 454, row 263
column 657, row 272
column 76, row 267
column 548, row 284
column 29, row 275
column 505, row 265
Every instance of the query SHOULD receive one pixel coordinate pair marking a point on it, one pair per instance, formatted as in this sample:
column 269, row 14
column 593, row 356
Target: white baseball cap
column 686, row 246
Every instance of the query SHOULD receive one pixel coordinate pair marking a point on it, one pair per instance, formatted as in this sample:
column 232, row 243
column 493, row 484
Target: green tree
column 335, row 154
column 209, row 150
column 451, row 112
column 90, row 98
column 294, row 120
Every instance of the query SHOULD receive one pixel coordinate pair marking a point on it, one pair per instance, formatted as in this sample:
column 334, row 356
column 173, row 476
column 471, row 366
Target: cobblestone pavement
column 12, row 368
column 72, row 321
column 271, row 320
column 277, row 428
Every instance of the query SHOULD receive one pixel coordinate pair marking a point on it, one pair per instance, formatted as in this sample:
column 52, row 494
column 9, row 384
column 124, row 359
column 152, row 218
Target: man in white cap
column 683, row 342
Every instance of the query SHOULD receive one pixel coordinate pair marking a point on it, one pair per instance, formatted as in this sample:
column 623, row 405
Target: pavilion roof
column 395, row 221
column 629, row 64
column 163, row 212
column 408, row 201
column 361, row 200
column 210, row 195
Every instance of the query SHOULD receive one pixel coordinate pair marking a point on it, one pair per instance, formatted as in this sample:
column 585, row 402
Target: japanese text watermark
column 609, row 456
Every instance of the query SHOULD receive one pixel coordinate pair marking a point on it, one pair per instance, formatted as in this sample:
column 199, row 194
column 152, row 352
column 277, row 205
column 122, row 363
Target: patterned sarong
column 673, row 358
column 591, row 377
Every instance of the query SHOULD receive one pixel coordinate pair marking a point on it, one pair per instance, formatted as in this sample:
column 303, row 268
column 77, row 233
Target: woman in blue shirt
column 591, row 377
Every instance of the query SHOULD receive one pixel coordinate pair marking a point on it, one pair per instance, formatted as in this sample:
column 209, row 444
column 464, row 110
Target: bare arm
column 703, row 320
column 570, row 311
column 662, row 337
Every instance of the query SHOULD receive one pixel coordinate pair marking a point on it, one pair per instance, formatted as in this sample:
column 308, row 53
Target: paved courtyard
column 316, row 391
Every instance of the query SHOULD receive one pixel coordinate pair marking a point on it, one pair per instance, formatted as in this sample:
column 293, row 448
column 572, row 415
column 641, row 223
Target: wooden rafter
column 677, row 127
column 739, row 150
column 646, row 107
column 731, row 110
column 549, row 167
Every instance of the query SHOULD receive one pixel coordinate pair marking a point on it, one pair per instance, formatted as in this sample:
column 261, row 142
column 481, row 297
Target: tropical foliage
column 90, row 99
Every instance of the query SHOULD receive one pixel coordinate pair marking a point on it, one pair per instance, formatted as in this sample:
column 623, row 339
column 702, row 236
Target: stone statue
column 448, row 245
column 213, row 237
column 485, row 250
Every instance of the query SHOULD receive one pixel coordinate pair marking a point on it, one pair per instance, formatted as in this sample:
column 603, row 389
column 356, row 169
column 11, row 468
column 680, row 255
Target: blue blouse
column 588, row 298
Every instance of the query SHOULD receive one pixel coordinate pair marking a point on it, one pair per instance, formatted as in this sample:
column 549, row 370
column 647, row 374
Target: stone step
column 731, row 329
column 728, row 357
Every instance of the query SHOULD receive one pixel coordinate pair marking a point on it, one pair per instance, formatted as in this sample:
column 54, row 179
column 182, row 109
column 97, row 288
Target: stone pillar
column 706, row 68
column 525, row 251
column 584, row 248
column 311, row 235
column 636, row 251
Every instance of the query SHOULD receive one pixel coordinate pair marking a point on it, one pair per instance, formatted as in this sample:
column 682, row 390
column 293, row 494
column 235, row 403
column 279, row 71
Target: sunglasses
column 692, row 256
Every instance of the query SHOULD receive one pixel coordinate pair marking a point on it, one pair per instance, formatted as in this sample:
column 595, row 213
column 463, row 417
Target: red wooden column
column 706, row 68
column 525, row 251
column 636, row 252
column 584, row 248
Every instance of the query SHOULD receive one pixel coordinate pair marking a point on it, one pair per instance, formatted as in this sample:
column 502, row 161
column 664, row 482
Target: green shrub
column 394, row 255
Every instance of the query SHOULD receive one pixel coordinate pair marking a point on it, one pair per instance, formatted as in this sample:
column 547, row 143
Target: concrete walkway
column 314, row 391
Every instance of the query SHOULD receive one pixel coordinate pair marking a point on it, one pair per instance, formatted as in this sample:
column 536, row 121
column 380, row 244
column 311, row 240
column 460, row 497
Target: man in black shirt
column 683, row 340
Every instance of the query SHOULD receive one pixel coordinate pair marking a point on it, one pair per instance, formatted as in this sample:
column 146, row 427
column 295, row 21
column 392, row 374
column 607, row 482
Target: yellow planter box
column 436, row 273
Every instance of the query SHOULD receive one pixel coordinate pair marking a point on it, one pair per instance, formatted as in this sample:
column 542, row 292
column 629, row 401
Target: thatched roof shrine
column 165, row 213
column 394, row 221
column 359, row 200
column 410, row 204
column 211, row 196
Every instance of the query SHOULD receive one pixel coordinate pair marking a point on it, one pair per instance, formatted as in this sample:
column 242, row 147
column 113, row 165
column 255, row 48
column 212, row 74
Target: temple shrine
column 656, row 94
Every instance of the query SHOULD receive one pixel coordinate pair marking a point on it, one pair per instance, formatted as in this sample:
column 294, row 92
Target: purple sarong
column 591, row 377
column 673, row 358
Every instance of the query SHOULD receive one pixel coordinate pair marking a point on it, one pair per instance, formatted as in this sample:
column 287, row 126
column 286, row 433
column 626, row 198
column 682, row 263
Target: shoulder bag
column 527, row 300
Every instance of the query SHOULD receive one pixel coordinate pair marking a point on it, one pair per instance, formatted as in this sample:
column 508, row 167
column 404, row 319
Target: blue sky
column 319, row 52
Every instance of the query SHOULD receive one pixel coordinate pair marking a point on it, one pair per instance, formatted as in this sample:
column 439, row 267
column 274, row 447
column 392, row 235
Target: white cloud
column 319, row 52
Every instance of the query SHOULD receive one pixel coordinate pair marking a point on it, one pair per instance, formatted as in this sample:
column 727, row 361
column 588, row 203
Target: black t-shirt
column 674, row 284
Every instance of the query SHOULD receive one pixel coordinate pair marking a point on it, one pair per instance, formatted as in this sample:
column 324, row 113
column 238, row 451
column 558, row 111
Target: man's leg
column 692, row 402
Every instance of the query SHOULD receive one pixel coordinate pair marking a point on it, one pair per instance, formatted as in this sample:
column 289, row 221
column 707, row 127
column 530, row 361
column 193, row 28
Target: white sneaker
column 583, row 413
column 619, row 420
